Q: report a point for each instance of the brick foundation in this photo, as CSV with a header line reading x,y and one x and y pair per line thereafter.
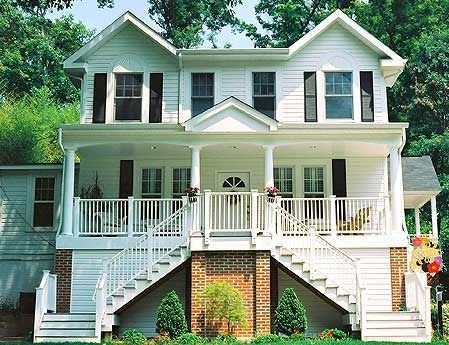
x,y
249,272
398,266
63,269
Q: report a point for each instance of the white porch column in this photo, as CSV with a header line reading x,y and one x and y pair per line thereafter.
x,y
195,168
396,190
269,178
417,222
433,206
69,185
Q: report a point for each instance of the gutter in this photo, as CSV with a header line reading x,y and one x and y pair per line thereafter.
x,y
62,182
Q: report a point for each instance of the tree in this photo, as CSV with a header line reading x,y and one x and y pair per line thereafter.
x,y
283,22
32,49
40,7
225,302
290,315
185,22
171,318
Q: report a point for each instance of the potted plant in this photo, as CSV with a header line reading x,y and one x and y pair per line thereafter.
x,y
272,192
192,193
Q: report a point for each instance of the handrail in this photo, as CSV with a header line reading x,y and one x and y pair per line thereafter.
x,y
100,303
45,299
360,300
418,298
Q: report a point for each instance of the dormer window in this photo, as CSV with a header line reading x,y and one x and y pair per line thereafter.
x,y
264,94
128,96
202,92
339,100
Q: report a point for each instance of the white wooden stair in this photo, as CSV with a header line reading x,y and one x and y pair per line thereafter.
x,y
404,326
57,328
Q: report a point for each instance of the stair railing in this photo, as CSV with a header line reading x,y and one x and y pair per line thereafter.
x,y
45,299
361,301
146,251
417,298
100,303
321,255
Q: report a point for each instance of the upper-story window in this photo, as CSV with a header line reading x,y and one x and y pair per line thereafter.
x,y
202,92
339,101
264,92
128,96
44,199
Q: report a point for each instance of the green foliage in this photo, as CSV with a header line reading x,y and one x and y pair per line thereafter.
x,y
266,339
225,339
134,337
297,337
446,320
171,318
189,339
29,128
290,314
32,49
185,22
225,302
333,333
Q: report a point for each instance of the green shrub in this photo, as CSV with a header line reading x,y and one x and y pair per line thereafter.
x,y
134,337
228,339
225,302
267,339
171,319
290,315
333,333
446,319
298,337
189,339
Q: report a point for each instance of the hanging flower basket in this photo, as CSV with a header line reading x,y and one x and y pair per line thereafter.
x,y
272,193
192,193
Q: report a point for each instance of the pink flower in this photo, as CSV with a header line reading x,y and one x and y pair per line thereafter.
x,y
438,260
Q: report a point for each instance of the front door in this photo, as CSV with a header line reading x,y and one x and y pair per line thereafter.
x,y
232,203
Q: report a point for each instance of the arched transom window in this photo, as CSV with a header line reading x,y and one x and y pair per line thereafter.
x,y
233,182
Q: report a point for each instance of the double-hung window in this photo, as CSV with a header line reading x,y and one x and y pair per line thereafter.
x,y
181,181
339,100
128,96
264,92
283,180
202,92
152,183
314,182
44,199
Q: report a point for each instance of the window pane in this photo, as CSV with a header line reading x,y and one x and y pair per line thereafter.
x,y
128,108
339,107
43,214
283,180
201,104
202,84
265,105
181,181
314,180
264,83
44,189
152,182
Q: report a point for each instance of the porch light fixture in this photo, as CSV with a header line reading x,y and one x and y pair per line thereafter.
x,y
234,147
153,147
313,147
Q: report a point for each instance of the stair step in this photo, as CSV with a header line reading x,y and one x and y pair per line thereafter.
x,y
395,332
397,339
392,316
395,324
67,332
68,317
65,339
68,324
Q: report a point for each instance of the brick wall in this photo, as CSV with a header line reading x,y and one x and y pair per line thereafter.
x,y
249,272
63,269
398,266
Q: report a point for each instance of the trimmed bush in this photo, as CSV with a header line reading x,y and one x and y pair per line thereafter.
x,y
134,337
171,319
267,339
189,339
332,333
290,315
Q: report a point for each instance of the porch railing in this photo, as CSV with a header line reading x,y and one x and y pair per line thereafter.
x,y
232,212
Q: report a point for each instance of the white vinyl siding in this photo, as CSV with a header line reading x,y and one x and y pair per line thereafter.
x,y
134,44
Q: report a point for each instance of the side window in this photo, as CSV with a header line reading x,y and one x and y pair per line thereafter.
x,y
152,183
339,100
181,181
156,91
128,96
283,180
44,200
202,92
264,92
313,182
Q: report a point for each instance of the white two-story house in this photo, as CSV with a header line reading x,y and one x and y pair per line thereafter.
x,y
310,119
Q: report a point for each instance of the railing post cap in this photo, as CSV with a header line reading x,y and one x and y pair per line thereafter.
x,y
130,197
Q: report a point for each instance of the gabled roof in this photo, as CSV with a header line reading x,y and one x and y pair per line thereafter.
x,y
110,30
419,175
251,117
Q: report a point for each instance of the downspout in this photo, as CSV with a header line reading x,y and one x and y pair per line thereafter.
x,y
179,87
61,197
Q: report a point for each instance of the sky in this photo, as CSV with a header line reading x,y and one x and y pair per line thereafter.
x,y
96,18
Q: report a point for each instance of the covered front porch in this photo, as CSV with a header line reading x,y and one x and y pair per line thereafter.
x,y
328,181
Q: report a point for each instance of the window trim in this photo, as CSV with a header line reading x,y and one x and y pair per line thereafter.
x,y
325,178
172,178
265,96
141,180
214,90
353,92
142,96
33,201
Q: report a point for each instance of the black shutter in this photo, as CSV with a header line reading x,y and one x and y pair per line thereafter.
x,y
156,81
367,96
126,179
339,185
310,111
99,111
